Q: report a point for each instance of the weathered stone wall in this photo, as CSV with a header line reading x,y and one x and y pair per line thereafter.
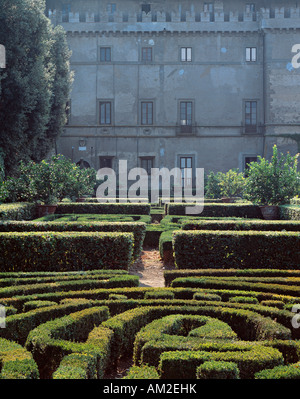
x,y
218,81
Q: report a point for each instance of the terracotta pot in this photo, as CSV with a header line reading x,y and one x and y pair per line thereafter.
x,y
44,210
228,200
270,212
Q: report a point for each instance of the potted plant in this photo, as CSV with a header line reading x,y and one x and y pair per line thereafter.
x,y
274,183
231,185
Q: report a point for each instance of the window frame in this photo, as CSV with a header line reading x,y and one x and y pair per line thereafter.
x,y
106,157
147,121
147,49
148,6
186,102
251,58
105,48
105,102
250,127
149,159
184,57
184,178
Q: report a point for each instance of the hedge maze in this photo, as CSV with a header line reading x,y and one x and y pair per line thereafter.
x,y
74,311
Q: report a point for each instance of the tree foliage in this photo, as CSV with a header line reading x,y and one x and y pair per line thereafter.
x,y
274,182
36,83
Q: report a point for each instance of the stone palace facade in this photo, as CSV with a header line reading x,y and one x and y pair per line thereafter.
x,y
186,84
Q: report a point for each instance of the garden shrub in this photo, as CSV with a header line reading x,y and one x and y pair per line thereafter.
x,y
183,364
219,370
206,296
76,366
85,207
289,212
259,225
243,299
238,283
170,275
17,211
276,304
51,341
71,285
165,246
30,305
287,372
142,373
55,251
16,362
236,249
19,325
138,229
239,210
159,294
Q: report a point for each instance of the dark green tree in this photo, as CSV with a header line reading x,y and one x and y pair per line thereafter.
x,y
29,92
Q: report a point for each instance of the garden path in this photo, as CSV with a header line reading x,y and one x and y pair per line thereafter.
x,y
150,268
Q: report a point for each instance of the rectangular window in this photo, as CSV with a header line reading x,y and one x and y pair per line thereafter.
x,y
147,54
250,7
111,8
147,112
105,54
186,166
186,54
251,54
146,8
66,9
208,7
105,113
147,164
251,116
106,162
186,113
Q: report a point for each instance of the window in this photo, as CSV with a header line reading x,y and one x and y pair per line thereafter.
x,y
105,54
186,113
106,162
147,54
186,54
105,113
146,8
186,166
66,9
208,7
251,54
250,7
250,116
111,8
147,164
147,112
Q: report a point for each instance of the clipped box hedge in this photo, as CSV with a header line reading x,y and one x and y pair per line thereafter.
x,y
55,251
17,211
239,210
289,212
85,207
236,249
138,229
183,364
218,370
51,341
16,362
263,225
170,275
